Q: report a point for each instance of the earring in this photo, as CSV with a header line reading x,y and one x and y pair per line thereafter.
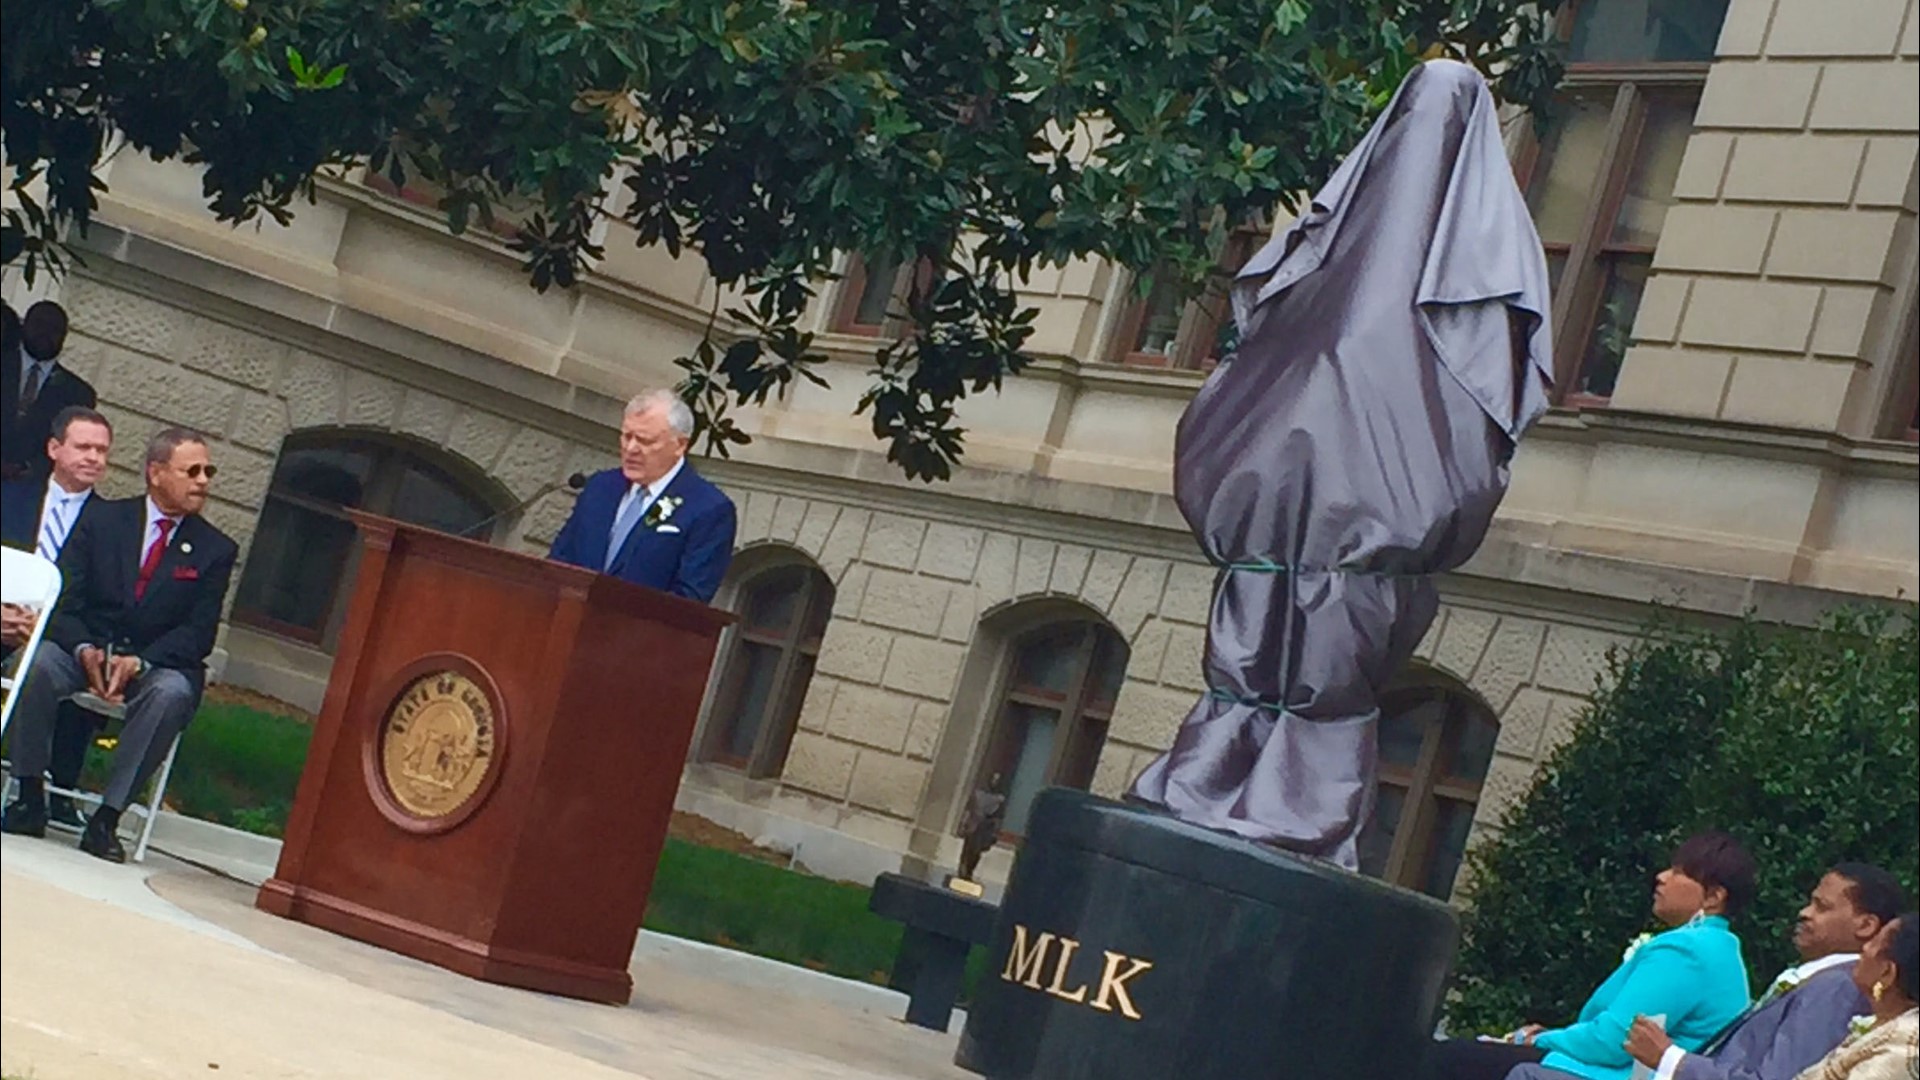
x,y
1879,990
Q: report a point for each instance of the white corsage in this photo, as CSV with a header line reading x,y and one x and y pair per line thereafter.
x,y
1634,947
662,509
1860,1025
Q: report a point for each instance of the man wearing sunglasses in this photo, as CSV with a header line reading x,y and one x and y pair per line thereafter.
x,y
145,579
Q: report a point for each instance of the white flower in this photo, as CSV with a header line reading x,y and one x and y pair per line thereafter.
x,y
661,510
1634,947
186,548
1860,1025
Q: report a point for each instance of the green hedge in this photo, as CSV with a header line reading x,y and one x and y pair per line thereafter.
x,y
1800,743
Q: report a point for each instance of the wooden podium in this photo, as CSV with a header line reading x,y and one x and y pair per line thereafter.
x,y
494,767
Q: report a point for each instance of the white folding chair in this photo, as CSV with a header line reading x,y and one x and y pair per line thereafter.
x,y
31,582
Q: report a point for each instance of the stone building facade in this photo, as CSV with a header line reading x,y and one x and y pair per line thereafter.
x,y
1733,234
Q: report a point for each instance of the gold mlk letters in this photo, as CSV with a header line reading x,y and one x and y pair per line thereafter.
x,y
1026,961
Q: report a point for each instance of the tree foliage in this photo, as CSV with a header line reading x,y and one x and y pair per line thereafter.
x,y
987,137
1800,743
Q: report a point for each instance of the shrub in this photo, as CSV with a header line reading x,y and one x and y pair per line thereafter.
x,y
1800,743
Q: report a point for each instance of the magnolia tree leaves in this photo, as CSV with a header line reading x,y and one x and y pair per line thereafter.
x,y
976,139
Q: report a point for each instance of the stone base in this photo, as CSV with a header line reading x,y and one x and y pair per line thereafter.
x,y
1131,945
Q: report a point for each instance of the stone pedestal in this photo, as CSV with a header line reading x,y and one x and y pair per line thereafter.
x,y
1131,945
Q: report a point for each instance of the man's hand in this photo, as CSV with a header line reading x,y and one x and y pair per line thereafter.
x,y
16,625
121,670
93,661
1646,1042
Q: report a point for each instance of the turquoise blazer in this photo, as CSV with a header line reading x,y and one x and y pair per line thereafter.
x,y
1692,975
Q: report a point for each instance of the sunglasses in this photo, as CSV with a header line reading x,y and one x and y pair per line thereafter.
x,y
195,472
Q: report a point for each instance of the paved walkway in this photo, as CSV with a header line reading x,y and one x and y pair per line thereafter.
x,y
165,971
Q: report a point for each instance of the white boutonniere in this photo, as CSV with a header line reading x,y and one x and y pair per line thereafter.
x,y
662,509
186,548
1634,947
1860,1025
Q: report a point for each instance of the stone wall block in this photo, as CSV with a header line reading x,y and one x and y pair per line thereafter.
x,y
1794,168
1189,595
951,551
1183,665
1573,658
1069,569
1105,574
756,516
244,474
924,667
170,394
1430,642
854,652
315,390
1819,28
994,575
1524,723
844,541
850,591
1887,176
817,707
871,717
542,521
532,458
816,527
1115,771
228,352
963,615
818,764
1869,97
1034,572
126,319
905,602
373,401
888,784
1509,661
923,738
788,513
1761,95
1139,596
1148,715
262,423
1465,639
480,437
426,416
1508,779
1747,314
893,540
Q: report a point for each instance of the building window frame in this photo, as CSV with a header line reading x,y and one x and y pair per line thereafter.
x,y
849,298
1430,780
1626,90
1083,712
796,644
1201,318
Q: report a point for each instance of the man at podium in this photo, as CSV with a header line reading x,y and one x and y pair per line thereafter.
x,y
652,521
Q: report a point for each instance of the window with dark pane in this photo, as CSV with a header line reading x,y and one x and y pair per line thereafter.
x,y
1059,690
1436,745
783,615
1601,178
1158,329
293,583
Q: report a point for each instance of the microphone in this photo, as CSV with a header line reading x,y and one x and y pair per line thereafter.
x,y
574,483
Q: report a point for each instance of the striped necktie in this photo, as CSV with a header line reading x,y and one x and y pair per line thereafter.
x,y
54,526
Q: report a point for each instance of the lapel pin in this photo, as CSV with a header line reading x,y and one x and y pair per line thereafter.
x,y
186,549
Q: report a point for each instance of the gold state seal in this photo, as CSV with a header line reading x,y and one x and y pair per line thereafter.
x,y
437,744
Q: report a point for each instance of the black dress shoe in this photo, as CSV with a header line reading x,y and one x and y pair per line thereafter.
x,y
101,841
62,812
25,817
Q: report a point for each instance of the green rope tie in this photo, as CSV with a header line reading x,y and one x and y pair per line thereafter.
x,y
1232,698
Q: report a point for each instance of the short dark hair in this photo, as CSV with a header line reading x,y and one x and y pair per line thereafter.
x,y
160,448
1717,860
1903,948
64,419
1873,891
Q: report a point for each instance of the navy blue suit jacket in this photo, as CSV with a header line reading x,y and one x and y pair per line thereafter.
x,y
20,512
686,554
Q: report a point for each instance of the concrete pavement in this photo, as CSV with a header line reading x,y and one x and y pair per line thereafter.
x,y
164,971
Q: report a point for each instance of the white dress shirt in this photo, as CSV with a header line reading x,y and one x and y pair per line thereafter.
x,y
650,492
58,512
1785,981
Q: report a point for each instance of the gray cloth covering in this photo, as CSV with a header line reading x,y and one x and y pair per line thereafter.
x,y
1394,346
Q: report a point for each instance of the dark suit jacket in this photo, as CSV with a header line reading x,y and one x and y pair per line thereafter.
x,y
20,512
1790,1034
686,554
23,439
174,624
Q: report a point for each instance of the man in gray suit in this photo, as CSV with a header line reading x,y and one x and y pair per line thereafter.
x,y
1803,1015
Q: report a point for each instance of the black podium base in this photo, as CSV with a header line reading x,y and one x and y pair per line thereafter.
x,y
1131,946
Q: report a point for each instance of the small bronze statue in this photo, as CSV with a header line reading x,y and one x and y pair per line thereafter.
x,y
980,826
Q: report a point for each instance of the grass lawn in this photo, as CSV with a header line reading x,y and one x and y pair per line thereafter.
x,y
240,762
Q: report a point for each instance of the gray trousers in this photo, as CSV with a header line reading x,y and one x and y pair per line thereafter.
x,y
159,704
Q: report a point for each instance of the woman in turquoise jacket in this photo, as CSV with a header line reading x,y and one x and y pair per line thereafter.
x,y
1692,975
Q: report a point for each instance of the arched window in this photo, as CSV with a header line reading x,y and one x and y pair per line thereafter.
x,y
1436,743
783,614
292,582
1056,701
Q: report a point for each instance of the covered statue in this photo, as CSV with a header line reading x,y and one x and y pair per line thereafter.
x,y
1394,346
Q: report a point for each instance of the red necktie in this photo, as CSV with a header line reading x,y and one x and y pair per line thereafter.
x,y
147,565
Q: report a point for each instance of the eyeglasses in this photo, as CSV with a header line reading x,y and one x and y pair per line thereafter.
x,y
195,472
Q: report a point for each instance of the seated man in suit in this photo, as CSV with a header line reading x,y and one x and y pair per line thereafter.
x,y
145,581
652,521
34,388
1804,1014
38,516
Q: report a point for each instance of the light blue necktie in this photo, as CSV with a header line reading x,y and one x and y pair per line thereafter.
x,y
623,528
53,532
